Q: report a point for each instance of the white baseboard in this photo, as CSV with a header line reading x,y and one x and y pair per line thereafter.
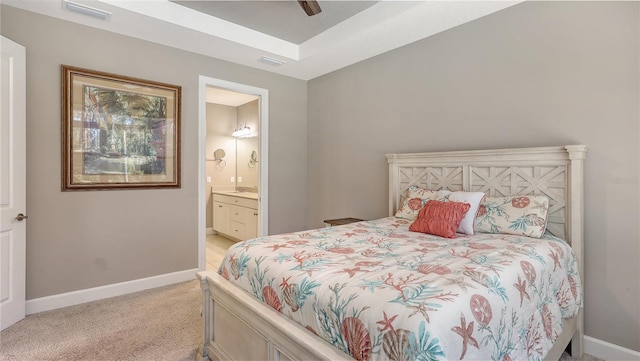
x,y
608,351
97,293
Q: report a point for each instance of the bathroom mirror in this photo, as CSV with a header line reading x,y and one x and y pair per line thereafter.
x,y
247,161
246,172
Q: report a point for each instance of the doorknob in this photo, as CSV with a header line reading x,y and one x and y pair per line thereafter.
x,y
21,217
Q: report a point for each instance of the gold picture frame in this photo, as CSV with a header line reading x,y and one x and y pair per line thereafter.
x,y
118,132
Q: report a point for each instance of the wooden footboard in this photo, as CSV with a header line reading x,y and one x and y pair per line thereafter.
x,y
239,327
570,333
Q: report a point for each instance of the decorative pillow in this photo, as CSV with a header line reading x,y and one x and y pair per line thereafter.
x,y
519,215
440,218
414,199
473,198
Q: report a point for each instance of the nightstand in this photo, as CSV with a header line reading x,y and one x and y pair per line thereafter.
x,y
341,221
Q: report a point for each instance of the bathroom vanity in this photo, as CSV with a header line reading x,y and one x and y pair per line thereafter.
x,y
235,214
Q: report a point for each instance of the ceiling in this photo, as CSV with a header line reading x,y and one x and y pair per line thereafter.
x,y
228,97
281,19
255,33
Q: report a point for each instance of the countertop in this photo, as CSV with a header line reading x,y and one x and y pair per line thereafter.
x,y
249,195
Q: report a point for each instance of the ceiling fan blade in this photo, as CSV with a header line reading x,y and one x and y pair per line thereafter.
x,y
310,7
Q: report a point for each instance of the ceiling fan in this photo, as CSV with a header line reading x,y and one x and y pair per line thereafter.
x,y
310,7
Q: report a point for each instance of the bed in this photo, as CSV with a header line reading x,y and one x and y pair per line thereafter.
x,y
377,290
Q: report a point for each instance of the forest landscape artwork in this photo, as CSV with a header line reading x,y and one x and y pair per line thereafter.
x,y
119,132
123,132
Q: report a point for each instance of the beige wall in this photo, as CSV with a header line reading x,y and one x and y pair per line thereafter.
x,y
78,240
536,74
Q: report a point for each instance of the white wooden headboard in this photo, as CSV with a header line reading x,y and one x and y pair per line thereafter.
x,y
556,172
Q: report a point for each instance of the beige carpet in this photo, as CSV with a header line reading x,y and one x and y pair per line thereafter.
x,y
158,324
161,324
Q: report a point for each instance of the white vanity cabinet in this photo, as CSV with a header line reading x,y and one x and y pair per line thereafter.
x,y
251,222
235,216
221,217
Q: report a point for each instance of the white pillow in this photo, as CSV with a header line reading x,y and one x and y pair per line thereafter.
x,y
473,198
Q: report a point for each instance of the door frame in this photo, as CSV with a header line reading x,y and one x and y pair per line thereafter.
x,y
263,185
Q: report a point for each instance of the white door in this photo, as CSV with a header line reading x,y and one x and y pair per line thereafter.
x,y
12,183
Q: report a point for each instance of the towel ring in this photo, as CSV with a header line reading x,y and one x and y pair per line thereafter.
x,y
218,154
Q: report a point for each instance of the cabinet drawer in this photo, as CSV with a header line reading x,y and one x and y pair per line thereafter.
x,y
237,230
251,203
237,214
227,199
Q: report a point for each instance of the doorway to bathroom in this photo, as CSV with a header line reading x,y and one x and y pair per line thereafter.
x,y
233,187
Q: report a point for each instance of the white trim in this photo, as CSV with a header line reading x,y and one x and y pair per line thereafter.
x,y
202,170
263,189
97,293
608,351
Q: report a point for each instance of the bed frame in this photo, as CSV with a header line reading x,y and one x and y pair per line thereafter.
x,y
239,327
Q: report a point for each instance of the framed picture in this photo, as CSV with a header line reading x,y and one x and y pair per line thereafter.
x,y
118,132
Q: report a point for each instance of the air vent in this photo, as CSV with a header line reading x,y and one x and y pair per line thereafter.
x,y
86,10
272,61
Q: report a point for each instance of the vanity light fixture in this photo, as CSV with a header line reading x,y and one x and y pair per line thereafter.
x,y
243,132
86,10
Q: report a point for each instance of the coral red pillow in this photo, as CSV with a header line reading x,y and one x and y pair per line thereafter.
x,y
440,218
